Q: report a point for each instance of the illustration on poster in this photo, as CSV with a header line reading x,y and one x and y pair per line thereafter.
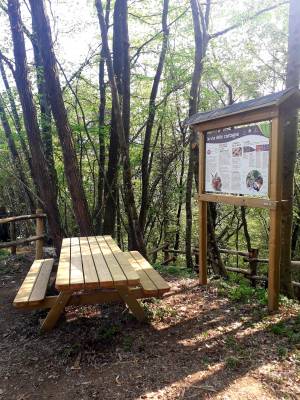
x,y
254,180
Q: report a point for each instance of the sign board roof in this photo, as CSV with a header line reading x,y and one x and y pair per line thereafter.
x,y
274,99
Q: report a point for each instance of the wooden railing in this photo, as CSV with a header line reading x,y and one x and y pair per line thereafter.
x,y
251,257
39,232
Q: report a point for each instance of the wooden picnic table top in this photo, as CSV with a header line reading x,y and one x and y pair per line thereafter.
x,y
93,262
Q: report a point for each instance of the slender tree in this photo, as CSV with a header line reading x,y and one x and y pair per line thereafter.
x,y
101,133
290,149
111,184
200,24
45,107
15,157
135,232
43,33
146,167
15,116
39,164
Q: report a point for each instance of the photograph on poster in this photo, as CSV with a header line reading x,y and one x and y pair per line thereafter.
x,y
237,160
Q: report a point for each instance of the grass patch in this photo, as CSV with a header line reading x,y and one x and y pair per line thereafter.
x,y
242,292
174,270
232,362
106,334
155,312
4,253
288,329
282,352
127,343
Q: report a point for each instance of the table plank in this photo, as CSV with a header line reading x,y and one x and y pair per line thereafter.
x,y
103,272
76,269
91,280
116,271
131,275
63,270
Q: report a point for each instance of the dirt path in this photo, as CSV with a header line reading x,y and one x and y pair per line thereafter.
x,y
198,345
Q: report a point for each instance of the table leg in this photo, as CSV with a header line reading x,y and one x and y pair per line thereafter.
x,y
56,311
132,303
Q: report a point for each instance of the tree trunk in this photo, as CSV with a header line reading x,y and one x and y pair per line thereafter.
x,y
111,184
178,215
193,103
16,160
111,187
150,120
200,22
39,164
43,31
101,133
136,234
16,118
290,150
45,109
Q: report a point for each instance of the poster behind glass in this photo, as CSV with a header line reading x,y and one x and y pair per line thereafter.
x,y
237,160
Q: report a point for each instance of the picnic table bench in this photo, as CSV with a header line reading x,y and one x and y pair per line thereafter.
x,y
91,270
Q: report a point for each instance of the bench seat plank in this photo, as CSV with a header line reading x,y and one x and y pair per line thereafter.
x,y
147,284
145,268
39,290
34,286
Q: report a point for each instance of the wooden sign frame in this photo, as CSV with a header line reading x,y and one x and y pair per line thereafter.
x,y
273,204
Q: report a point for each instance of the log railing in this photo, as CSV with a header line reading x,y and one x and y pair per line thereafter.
x,y
39,236
250,257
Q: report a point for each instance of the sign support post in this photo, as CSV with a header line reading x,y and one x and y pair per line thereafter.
x,y
202,214
275,216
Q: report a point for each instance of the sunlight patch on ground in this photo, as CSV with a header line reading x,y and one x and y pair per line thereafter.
x,y
246,388
181,386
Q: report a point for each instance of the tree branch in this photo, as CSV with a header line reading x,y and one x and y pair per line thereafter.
x,y
237,25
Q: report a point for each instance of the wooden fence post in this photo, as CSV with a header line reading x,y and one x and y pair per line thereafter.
x,y
12,234
196,254
166,252
253,255
39,231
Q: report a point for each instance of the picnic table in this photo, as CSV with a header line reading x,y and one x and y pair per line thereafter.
x,y
91,270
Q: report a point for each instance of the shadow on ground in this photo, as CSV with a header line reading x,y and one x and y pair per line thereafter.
x,y
198,345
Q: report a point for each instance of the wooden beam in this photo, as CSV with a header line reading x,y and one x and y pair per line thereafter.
x,y
234,252
39,232
236,120
239,200
295,264
21,218
132,303
238,270
56,311
93,297
157,249
12,233
21,241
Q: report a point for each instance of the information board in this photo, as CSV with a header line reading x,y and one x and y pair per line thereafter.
x,y
237,160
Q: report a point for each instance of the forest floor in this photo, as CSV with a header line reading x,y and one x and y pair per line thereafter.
x,y
199,343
